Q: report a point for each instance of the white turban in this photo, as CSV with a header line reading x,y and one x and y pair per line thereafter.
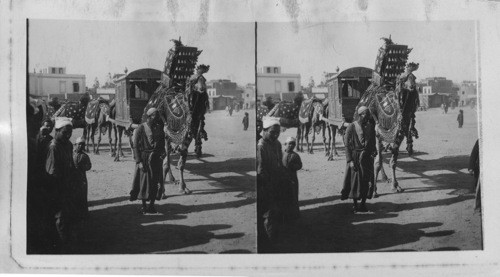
x,y
268,121
80,140
62,121
151,111
290,139
362,109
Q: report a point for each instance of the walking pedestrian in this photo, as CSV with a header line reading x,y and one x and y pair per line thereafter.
x,y
360,150
245,122
460,118
293,163
60,169
271,179
149,147
230,110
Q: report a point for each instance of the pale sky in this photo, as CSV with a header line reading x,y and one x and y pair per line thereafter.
x,y
443,49
95,48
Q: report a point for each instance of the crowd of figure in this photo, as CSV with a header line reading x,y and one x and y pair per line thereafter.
x,y
277,183
57,204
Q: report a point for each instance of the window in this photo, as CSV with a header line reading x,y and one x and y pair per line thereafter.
x,y
248,95
60,71
76,87
291,86
277,86
268,70
463,92
53,71
275,70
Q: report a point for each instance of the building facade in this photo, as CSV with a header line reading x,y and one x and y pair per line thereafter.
x,y
223,87
249,96
54,80
467,93
271,82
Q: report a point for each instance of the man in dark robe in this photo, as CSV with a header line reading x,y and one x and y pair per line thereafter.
x,y
360,149
82,164
60,170
245,122
293,163
149,148
271,182
460,119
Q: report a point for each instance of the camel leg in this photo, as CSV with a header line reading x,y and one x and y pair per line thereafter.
x,y
181,165
122,130
167,171
299,137
87,139
113,149
324,130
313,139
98,141
110,139
393,163
119,147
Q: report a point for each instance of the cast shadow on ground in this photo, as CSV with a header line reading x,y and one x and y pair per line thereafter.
x,y
122,230
237,171
333,228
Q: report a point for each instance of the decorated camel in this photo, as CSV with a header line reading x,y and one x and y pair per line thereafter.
x,y
182,102
393,100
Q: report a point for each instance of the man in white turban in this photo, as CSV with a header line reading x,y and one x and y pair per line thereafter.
x,y
63,121
149,148
272,178
360,149
60,170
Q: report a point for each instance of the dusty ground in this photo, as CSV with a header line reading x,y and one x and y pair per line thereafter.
x,y
434,213
219,217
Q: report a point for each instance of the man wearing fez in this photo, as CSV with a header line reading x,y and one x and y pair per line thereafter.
x,y
60,170
271,180
360,150
149,149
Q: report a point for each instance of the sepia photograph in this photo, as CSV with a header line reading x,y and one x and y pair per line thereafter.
x,y
370,137
138,137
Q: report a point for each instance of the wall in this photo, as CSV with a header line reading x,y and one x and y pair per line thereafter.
x,y
44,84
277,83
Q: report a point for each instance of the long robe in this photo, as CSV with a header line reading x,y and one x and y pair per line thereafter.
x,y
360,145
61,169
460,119
82,164
292,162
149,146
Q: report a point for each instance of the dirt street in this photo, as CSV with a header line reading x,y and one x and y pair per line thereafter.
x,y
218,217
434,213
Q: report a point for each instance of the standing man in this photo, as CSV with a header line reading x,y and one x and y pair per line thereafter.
x,y
293,163
271,181
245,122
149,148
60,170
460,119
82,165
360,149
